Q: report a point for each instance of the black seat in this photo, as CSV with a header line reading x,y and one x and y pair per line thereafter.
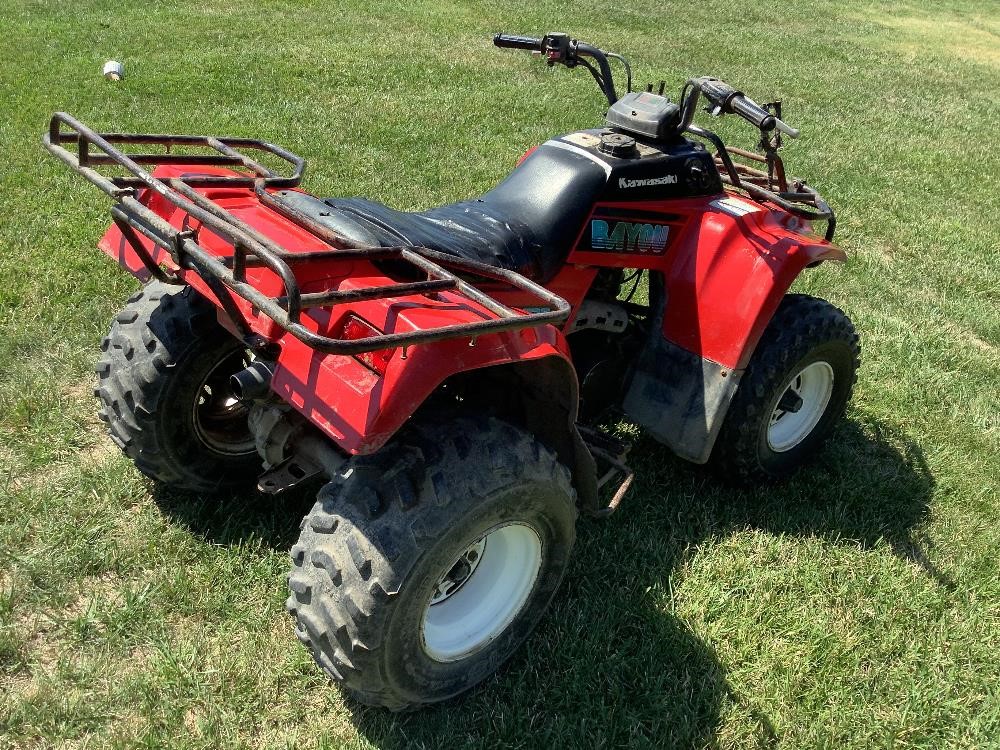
x,y
528,223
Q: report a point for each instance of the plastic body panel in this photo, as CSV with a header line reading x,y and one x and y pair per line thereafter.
x,y
726,262
361,409
723,264
645,114
355,406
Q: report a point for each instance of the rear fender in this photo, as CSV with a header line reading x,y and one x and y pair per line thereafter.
x,y
719,291
525,376
355,406
541,396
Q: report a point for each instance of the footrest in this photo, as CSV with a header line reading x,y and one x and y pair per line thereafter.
x,y
613,452
289,473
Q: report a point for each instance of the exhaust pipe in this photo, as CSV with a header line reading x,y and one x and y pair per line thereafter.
x,y
254,382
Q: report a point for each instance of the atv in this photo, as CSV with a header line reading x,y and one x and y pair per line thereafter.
x,y
455,374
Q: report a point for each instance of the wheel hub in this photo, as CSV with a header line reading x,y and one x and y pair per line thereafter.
x,y
460,572
800,407
220,419
481,592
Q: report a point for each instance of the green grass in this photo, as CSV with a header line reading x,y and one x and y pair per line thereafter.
x,y
857,605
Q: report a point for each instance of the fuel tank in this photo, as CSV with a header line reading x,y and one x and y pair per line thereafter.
x,y
635,168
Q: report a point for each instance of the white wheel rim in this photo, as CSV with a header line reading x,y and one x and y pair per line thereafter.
x,y
813,385
469,609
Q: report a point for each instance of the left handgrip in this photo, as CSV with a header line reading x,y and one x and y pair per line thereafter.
x,y
509,41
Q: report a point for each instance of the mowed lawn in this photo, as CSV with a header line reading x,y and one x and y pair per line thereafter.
x,y
857,605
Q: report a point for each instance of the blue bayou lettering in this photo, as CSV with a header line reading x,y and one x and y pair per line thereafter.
x,y
627,237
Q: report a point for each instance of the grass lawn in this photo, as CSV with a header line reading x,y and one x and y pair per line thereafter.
x,y
857,605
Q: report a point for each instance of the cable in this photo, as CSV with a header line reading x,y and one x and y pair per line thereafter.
x,y
687,109
597,76
635,284
627,279
684,92
628,69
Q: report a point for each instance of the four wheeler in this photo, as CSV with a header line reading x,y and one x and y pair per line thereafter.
x,y
449,371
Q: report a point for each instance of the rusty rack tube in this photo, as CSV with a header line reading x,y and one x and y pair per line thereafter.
x,y
803,201
253,249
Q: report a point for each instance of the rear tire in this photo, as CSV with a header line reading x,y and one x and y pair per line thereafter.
x,y
793,393
392,587
163,386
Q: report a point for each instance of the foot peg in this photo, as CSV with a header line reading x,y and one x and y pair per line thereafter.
x,y
287,474
613,452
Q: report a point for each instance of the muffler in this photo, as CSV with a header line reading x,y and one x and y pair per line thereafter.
x,y
254,382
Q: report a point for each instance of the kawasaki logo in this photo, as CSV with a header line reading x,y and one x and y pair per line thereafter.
x,y
667,179
627,237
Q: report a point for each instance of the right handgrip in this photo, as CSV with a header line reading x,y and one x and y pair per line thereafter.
x,y
724,98
749,110
752,112
785,128
510,41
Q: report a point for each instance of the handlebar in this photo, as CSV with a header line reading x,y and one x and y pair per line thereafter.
x,y
724,98
559,48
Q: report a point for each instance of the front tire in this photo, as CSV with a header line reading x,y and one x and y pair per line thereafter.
x,y
164,391
794,391
421,569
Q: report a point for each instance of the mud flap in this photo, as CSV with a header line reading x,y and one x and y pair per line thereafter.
x,y
680,398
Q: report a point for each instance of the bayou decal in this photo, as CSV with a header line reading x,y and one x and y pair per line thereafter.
x,y
628,237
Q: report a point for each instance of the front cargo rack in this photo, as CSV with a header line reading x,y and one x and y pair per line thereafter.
x,y
771,186
252,249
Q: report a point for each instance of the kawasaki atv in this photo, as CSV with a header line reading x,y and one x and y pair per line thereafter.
x,y
451,373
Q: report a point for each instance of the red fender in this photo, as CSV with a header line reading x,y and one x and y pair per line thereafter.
x,y
728,273
723,278
357,407
361,410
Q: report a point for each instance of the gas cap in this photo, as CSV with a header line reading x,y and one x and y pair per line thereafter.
x,y
617,144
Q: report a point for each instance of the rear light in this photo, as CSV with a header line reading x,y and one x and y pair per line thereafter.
x,y
355,328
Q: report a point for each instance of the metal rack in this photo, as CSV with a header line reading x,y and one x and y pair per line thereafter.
x,y
770,186
253,249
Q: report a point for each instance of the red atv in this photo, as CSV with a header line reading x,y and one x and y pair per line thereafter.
x,y
448,370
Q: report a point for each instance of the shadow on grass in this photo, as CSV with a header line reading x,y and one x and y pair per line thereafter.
x,y
607,667
870,486
611,665
233,518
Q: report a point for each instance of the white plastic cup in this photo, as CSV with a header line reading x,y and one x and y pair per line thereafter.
x,y
113,70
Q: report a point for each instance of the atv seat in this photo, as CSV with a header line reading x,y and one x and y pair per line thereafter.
x,y
528,223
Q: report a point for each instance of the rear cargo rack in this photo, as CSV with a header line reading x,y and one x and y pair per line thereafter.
x,y
253,249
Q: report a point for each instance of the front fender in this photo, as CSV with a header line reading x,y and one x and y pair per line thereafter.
x,y
721,288
729,274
